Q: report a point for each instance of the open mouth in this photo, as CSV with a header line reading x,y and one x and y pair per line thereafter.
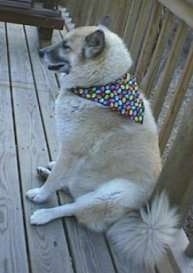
x,y
62,67
55,67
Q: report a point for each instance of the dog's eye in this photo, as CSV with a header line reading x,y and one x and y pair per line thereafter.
x,y
66,47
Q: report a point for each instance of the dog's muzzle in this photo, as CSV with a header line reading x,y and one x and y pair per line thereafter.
x,y
60,65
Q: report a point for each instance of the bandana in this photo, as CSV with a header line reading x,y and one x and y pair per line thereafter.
x,y
122,96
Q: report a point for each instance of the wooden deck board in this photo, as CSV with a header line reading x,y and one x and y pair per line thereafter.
x,y
13,254
47,245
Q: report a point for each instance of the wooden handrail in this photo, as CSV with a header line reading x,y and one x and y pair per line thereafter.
x,y
16,4
36,17
181,9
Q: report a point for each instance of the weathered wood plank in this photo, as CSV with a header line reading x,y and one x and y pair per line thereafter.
x,y
89,250
86,18
118,11
140,30
99,9
149,41
47,89
47,245
177,101
181,9
96,9
131,21
166,76
13,253
152,72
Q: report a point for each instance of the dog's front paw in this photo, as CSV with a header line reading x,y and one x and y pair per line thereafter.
x,y
41,216
37,195
43,172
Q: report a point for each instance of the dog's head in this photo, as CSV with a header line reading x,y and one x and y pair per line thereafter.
x,y
88,56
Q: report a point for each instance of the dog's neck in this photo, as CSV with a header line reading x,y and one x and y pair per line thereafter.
x,y
122,96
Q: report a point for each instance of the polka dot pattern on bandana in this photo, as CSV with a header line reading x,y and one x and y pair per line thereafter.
x,y
122,95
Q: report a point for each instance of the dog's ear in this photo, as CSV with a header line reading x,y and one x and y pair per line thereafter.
x,y
105,21
94,44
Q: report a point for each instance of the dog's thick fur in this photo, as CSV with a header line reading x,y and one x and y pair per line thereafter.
x,y
109,164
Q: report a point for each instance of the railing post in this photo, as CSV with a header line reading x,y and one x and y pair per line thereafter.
x,y
45,34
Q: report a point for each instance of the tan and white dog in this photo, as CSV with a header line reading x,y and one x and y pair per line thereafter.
x,y
108,163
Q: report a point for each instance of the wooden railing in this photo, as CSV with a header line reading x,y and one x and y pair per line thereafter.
x,y
158,35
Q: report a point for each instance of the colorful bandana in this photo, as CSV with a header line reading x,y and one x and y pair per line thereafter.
x,y
122,95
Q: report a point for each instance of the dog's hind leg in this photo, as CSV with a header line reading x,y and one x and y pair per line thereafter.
x,y
99,209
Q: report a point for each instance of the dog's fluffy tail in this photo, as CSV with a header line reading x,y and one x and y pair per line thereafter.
x,y
145,235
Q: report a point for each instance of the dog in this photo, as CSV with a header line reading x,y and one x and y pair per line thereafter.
x,y
109,158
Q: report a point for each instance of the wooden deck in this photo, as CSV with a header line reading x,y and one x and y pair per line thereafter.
x,y
27,139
